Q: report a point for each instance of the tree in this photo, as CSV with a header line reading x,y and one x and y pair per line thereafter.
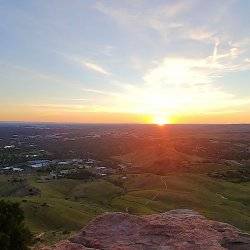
x,y
13,233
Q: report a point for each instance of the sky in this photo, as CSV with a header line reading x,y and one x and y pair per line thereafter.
x,y
130,61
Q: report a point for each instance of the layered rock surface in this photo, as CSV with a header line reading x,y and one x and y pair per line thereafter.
x,y
177,229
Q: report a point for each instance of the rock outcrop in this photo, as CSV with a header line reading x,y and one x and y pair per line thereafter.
x,y
176,229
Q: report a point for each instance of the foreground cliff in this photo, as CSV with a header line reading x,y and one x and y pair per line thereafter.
x,y
176,229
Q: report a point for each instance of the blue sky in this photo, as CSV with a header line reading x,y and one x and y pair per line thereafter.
x,y
63,60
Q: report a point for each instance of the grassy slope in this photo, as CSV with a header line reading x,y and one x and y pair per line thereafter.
x,y
70,204
220,200
56,208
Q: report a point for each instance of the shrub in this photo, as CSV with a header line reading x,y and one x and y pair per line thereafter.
x,y
13,233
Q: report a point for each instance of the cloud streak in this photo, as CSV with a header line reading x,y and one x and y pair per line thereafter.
x,y
180,85
95,67
166,19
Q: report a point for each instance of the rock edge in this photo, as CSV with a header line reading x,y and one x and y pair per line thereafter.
x,y
180,229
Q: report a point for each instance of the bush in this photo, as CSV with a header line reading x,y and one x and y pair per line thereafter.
x,y
82,175
13,233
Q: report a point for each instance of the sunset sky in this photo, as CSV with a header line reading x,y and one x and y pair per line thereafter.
x,y
129,61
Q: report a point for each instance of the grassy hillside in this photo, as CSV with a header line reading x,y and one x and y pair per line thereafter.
x,y
220,200
67,205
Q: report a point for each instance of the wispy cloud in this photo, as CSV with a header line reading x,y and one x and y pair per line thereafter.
x,y
192,71
71,99
157,19
169,19
101,92
61,107
31,75
166,19
95,67
89,64
179,85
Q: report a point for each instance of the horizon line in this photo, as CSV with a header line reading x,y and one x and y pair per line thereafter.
x,y
114,123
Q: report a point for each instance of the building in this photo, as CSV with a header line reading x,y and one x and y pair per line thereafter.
x,y
39,163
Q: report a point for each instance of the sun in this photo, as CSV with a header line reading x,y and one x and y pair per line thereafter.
x,y
161,120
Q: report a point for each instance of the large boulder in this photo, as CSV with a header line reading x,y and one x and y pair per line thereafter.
x,y
176,229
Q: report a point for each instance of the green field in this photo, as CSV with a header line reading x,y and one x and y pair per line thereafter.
x,y
66,205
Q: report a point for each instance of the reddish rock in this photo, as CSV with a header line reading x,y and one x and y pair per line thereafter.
x,y
177,229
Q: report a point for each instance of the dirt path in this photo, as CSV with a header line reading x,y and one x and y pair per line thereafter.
x,y
164,182
223,197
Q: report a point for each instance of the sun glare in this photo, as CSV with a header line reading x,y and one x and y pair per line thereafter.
x,y
161,120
